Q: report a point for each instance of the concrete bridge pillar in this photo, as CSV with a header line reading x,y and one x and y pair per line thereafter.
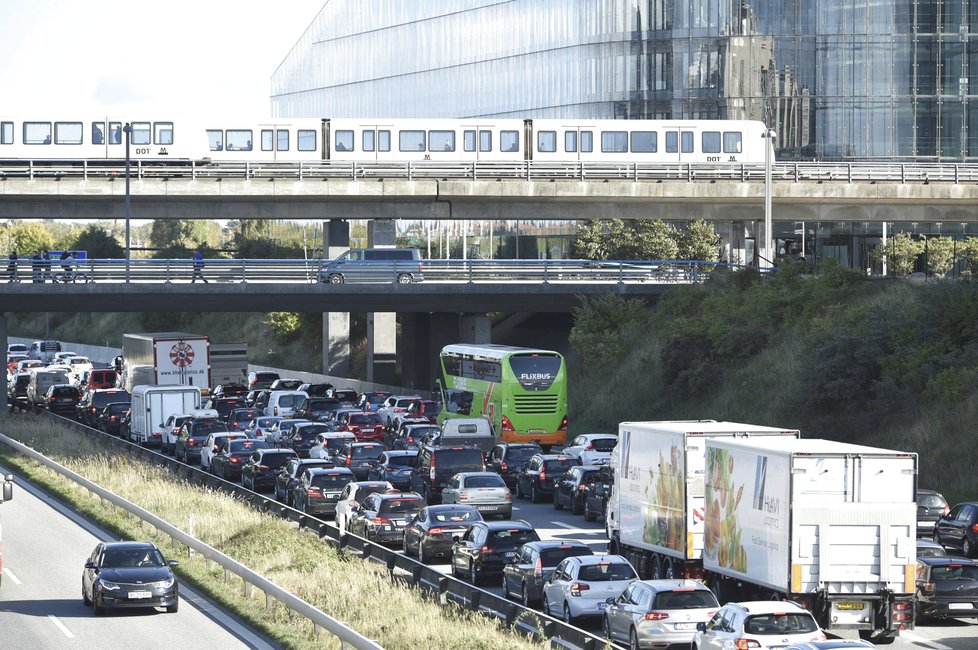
x,y
3,375
336,325
424,335
381,326
474,328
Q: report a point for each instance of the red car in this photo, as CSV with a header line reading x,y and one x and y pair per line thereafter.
x,y
367,427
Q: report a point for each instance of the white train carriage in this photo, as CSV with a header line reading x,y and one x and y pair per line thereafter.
x,y
268,140
649,141
99,139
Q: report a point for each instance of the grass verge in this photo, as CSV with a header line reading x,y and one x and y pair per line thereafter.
x,y
361,594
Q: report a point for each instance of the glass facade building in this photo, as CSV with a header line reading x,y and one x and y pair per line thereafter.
x,y
837,79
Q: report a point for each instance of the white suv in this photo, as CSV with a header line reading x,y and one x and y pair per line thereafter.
x,y
757,624
591,448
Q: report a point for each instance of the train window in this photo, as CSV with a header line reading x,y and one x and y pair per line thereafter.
x,y
267,140
68,132
6,132
468,140
570,141
411,140
37,133
163,132
140,133
573,138
306,140
509,140
344,140
368,141
733,142
614,141
98,132
672,141
644,142
711,142
239,139
547,141
687,141
115,132
215,137
441,140
282,135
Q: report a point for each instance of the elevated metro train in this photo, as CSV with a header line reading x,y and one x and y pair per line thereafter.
x,y
186,139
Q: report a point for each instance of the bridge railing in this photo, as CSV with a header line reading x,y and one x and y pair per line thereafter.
x,y
313,271
783,171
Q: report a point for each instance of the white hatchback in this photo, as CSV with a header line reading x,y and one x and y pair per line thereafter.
x,y
591,448
581,586
757,624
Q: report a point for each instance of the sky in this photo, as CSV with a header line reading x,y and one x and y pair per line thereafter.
x,y
66,56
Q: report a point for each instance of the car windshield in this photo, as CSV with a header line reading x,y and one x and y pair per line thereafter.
x,y
392,506
321,404
780,623
551,557
692,599
402,461
456,516
377,399
332,480
606,572
373,451
513,537
930,501
308,434
516,455
202,428
274,461
559,466
604,444
489,481
364,419
954,572
417,432
235,446
103,399
133,557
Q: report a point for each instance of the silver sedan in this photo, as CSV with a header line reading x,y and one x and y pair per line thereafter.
x,y
486,491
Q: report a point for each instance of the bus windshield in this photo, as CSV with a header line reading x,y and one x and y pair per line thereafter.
x,y
535,371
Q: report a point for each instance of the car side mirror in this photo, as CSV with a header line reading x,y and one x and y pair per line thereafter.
x,y
701,627
173,563
90,565
610,601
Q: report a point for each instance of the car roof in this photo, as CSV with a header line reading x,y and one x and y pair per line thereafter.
x,y
399,495
448,507
129,545
945,561
315,471
671,585
599,558
768,606
471,474
600,435
544,544
504,525
391,453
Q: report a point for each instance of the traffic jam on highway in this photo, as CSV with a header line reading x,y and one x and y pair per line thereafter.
x,y
710,533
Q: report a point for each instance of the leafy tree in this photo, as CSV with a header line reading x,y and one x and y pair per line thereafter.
x,y
968,252
590,241
29,238
185,234
901,252
98,243
940,255
603,328
642,239
699,240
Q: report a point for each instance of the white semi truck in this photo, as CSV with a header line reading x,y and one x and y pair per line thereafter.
x,y
152,405
166,358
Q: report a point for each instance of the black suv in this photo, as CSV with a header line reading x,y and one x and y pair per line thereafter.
x,y
192,436
506,459
533,565
569,488
94,401
382,517
536,478
314,408
931,506
260,470
302,437
597,492
288,476
958,529
359,457
318,489
17,392
488,546
62,399
436,465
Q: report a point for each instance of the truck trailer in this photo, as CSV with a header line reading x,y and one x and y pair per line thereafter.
x,y
152,405
656,509
166,358
827,524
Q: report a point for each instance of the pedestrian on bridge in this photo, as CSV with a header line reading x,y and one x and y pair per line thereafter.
x,y
198,268
12,268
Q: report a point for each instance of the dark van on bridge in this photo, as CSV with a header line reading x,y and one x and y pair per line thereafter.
x,y
401,265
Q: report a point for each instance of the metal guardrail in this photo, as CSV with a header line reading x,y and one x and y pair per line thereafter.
x,y
293,603
795,172
445,588
242,271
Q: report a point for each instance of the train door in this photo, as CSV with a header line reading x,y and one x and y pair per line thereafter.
x,y
478,142
278,141
578,142
680,145
376,142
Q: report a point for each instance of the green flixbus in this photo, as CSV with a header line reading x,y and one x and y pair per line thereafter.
x,y
521,391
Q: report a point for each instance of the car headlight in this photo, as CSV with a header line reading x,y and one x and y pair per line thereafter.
x,y
108,586
165,584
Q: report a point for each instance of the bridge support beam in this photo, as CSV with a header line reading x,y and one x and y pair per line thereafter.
x,y
424,335
381,326
3,375
336,325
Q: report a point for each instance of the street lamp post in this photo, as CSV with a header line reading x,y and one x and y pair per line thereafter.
x,y
768,249
128,131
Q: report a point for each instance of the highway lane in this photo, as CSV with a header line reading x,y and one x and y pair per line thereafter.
x,y
45,546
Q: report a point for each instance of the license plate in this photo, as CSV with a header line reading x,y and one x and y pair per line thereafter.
x,y
509,555
925,523
140,594
960,606
487,507
849,605
602,605
535,431
333,495
685,626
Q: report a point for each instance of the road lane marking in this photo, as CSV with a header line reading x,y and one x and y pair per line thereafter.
x,y
61,626
7,572
913,638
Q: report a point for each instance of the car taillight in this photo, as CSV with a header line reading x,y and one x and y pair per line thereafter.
x,y
262,468
503,467
410,440
348,459
538,569
974,528
191,442
543,473
464,496
946,510
274,410
902,610
578,587
488,550
381,520
436,531
582,487
432,468
655,616
743,644
507,425
234,459
590,447
315,492
111,418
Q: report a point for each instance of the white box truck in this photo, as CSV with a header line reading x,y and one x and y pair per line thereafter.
x,y
166,358
828,524
655,511
151,406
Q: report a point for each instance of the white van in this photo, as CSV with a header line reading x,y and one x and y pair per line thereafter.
x,y
41,380
282,403
44,350
468,431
